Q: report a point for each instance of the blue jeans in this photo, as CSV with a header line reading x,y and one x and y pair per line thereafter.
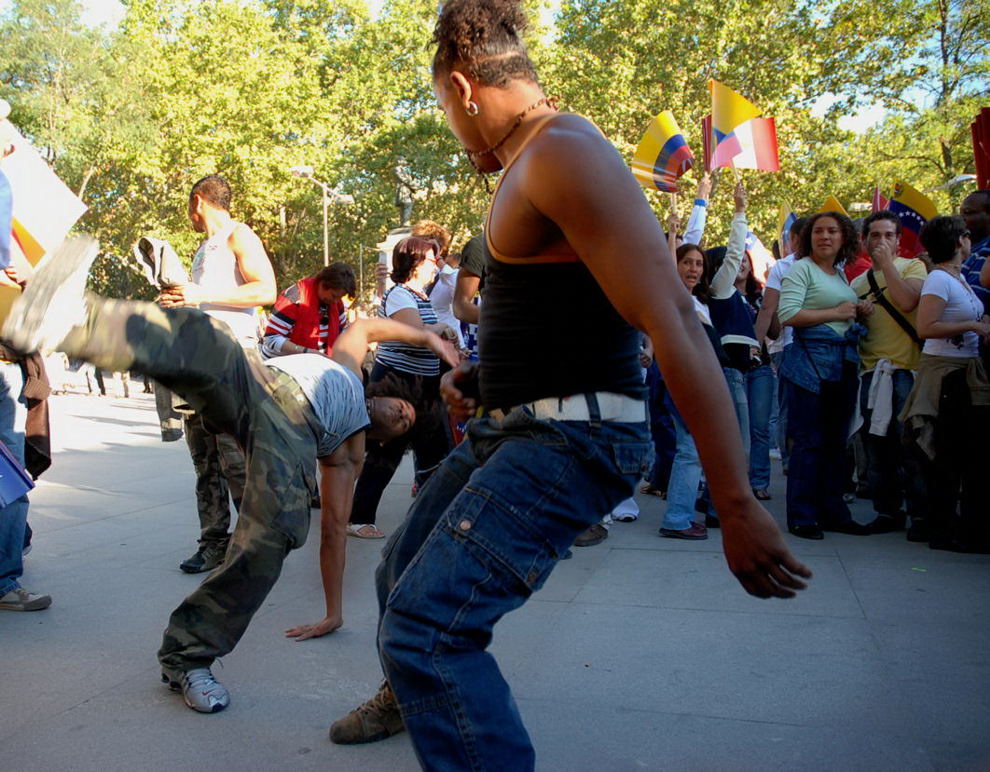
x,y
759,394
684,478
13,517
484,533
737,389
785,451
895,475
817,430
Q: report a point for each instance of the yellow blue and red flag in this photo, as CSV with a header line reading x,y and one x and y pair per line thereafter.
x,y
832,205
662,155
730,110
914,209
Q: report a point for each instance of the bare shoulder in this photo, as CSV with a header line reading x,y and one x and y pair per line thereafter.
x,y
243,235
569,142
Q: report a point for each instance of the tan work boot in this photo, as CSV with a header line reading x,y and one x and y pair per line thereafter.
x,y
375,720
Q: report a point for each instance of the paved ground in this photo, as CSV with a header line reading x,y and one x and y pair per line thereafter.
x,y
641,653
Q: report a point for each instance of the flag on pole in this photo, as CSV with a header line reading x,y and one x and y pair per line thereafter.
x,y
879,203
832,205
729,111
758,146
662,155
760,258
6,219
43,209
980,132
914,209
707,141
785,220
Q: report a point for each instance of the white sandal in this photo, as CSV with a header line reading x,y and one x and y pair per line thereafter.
x,y
355,529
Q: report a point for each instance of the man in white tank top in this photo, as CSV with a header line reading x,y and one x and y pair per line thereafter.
x,y
231,277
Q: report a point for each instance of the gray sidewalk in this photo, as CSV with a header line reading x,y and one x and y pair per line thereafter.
x,y
640,653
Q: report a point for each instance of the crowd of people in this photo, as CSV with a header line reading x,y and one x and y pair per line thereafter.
x,y
675,370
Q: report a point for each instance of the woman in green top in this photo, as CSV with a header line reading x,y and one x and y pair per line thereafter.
x,y
819,371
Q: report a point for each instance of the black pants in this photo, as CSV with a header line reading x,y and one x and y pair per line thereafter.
x,y
957,483
429,438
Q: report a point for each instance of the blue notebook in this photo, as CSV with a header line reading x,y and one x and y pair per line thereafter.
x,y
14,481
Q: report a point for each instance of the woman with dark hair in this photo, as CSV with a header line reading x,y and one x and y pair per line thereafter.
x,y
734,305
575,255
685,472
414,262
819,371
947,413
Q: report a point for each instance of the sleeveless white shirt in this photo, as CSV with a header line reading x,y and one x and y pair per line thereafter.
x,y
215,268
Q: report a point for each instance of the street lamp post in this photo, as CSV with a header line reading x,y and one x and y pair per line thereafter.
x,y
306,172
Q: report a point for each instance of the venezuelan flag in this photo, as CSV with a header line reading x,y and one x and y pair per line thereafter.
x,y
662,155
729,111
914,209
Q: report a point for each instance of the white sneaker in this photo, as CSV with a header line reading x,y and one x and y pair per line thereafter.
x,y
20,599
200,690
53,302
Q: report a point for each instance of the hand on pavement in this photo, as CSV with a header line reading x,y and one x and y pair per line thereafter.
x,y
321,628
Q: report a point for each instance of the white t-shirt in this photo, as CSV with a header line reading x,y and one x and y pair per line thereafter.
x,y
774,281
702,311
442,299
961,305
333,391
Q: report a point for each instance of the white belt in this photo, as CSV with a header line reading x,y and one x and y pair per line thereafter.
x,y
613,407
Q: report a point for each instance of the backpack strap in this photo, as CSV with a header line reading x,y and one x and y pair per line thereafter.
x,y
889,307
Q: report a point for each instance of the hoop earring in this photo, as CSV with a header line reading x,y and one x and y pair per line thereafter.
x,y
472,109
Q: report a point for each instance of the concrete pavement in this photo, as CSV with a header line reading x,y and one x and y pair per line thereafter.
x,y
640,653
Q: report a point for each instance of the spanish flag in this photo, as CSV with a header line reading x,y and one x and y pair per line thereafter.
x,y
914,209
729,111
662,155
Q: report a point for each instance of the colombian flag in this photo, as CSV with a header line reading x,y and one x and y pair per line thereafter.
x,y
662,155
729,111
914,209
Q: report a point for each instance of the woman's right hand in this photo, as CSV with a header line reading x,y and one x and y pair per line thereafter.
x,y
739,198
845,311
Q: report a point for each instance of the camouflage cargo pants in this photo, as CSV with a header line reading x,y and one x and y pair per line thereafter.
x,y
265,411
220,473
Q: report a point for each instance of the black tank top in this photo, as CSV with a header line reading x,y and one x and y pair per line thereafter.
x,y
548,330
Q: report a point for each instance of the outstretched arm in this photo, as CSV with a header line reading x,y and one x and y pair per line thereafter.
x,y
338,474
349,349
633,266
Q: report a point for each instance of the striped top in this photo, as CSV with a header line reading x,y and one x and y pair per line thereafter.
x,y
401,356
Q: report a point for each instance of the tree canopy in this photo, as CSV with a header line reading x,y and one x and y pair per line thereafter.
x,y
131,117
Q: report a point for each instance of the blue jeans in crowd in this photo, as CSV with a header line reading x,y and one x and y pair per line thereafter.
x,y
484,534
13,517
776,358
817,430
737,390
760,396
684,478
895,474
